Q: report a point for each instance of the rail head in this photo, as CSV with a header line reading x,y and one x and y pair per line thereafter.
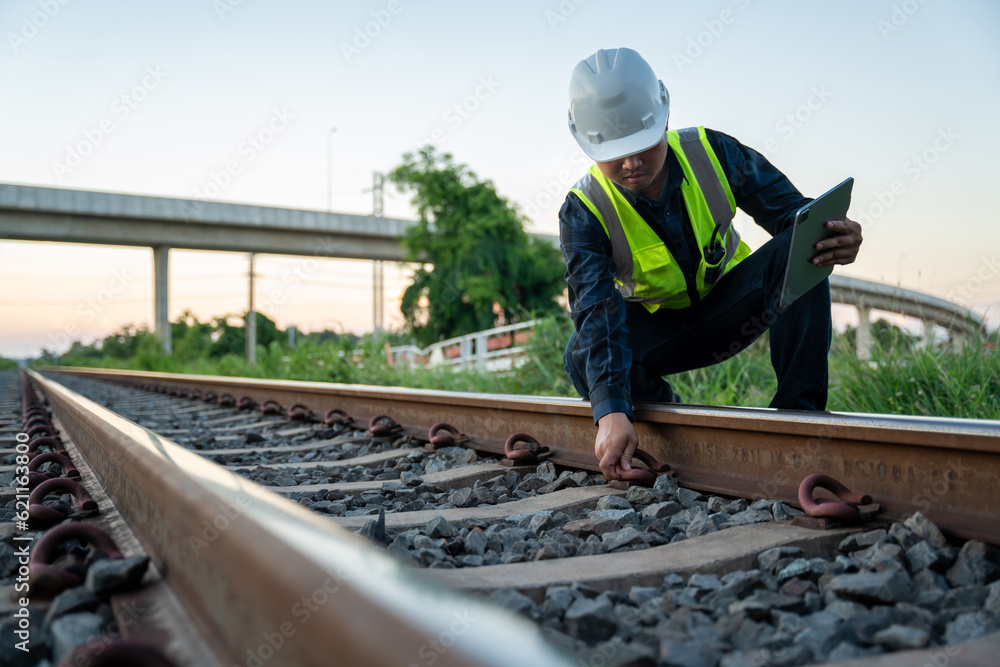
x,y
259,570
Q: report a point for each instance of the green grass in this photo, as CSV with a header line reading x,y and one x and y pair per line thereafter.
x,y
900,379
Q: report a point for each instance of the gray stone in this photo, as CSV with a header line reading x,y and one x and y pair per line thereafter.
x,y
613,503
926,530
620,538
882,556
678,653
564,482
740,583
440,527
485,496
525,519
992,604
717,504
903,536
666,484
887,587
782,512
799,567
688,497
374,529
964,597
769,559
639,495
621,516
759,605
532,483
749,516
738,505
430,557
968,626
859,541
475,542
640,594
590,619
539,523
701,526
846,609
110,575
592,526
462,497
557,600
972,567
709,582
900,637
512,600
410,478
592,547
508,536
922,556
547,471
74,629
79,598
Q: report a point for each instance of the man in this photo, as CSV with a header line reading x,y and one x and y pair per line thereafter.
x,y
659,281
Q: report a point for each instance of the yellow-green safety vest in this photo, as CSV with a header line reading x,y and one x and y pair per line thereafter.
x,y
646,271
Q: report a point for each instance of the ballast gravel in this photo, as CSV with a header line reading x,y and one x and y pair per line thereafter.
x,y
865,599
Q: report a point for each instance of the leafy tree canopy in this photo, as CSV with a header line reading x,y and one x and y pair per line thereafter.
x,y
486,270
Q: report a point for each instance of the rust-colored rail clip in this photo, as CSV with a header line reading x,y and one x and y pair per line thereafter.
x,y
639,476
524,455
450,436
382,426
300,412
50,579
45,515
270,407
337,417
829,514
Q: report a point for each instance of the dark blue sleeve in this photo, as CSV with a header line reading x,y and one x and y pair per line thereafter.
x,y
598,310
763,192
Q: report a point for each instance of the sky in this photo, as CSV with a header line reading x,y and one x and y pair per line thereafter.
x,y
156,97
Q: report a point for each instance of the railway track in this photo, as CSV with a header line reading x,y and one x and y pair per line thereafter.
x,y
612,575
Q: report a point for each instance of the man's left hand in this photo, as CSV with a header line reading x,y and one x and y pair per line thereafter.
x,y
841,248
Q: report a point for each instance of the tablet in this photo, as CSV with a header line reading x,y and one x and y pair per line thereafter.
x,y
808,230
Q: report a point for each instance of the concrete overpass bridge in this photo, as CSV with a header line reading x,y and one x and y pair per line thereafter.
x,y
79,216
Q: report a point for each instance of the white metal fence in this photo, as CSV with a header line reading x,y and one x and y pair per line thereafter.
x,y
499,349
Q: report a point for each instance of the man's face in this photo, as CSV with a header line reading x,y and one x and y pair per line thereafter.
x,y
643,172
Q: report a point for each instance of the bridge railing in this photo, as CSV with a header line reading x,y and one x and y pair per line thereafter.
x,y
491,350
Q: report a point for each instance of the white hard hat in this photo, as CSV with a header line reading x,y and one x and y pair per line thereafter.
x,y
617,106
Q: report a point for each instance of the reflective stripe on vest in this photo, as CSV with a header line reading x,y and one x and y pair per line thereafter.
x,y
646,271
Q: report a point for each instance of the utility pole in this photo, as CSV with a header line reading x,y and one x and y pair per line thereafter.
x,y
251,323
378,198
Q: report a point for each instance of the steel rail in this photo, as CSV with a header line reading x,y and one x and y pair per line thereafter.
x,y
263,576
948,469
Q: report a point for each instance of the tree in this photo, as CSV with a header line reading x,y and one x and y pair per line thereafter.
x,y
486,269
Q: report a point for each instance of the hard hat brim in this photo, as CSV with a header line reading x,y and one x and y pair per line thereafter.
x,y
616,149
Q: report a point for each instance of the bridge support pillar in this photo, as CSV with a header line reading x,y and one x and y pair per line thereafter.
x,y
377,295
927,340
863,340
251,322
161,276
958,341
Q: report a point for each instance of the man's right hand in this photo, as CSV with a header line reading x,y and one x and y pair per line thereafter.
x,y
616,443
